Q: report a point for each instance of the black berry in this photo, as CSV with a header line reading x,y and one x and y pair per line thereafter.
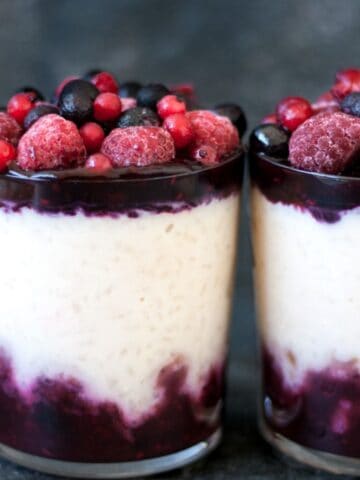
x,y
149,95
91,73
139,117
271,139
34,94
235,113
129,89
76,101
37,112
351,104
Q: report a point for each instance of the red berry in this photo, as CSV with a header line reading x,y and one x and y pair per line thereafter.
x,y
107,107
347,81
98,162
93,136
204,154
293,111
105,82
169,105
179,128
7,153
325,103
139,146
61,85
213,130
10,130
271,118
19,106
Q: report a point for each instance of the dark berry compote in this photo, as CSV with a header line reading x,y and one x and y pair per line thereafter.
x,y
119,220
305,172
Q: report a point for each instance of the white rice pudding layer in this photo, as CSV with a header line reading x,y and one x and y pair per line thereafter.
x,y
111,301
307,286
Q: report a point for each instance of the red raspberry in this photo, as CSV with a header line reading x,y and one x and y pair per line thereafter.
x,y
98,162
206,155
10,130
127,103
325,103
347,81
107,107
169,105
61,85
179,128
51,142
7,153
19,106
327,142
93,136
105,82
271,118
213,130
138,146
293,111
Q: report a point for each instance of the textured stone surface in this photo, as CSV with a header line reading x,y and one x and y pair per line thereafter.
x,y
253,52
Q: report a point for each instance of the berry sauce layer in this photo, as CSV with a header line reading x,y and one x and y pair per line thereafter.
x,y
325,197
322,412
56,418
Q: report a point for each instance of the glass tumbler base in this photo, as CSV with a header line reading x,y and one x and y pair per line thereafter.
x,y
317,459
113,470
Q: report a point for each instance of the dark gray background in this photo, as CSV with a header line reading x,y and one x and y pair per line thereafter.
x,y
250,51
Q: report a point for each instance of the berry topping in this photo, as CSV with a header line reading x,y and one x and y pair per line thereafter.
x,y
151,94
213,130
138,146
328,143
293,111
52,142
169,105
179,127
271,139
7,153
325,103
37,112
129,89
33,94
127,103
93,136
76,101
98,162
10,130
347,81
205,154
235,114
107,107
19,106
351,104
105,82
139,117
271,118
61,85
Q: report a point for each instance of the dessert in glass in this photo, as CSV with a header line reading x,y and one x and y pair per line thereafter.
x,y
305,208
119,213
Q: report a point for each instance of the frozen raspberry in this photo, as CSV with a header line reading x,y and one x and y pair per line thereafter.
x,y
179,127
213,130
138,146
52,142
293,111
328,143
326,103
127,103
347,81
10,130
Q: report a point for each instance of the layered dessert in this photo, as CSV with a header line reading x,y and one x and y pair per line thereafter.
x,y
119,211
305,195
